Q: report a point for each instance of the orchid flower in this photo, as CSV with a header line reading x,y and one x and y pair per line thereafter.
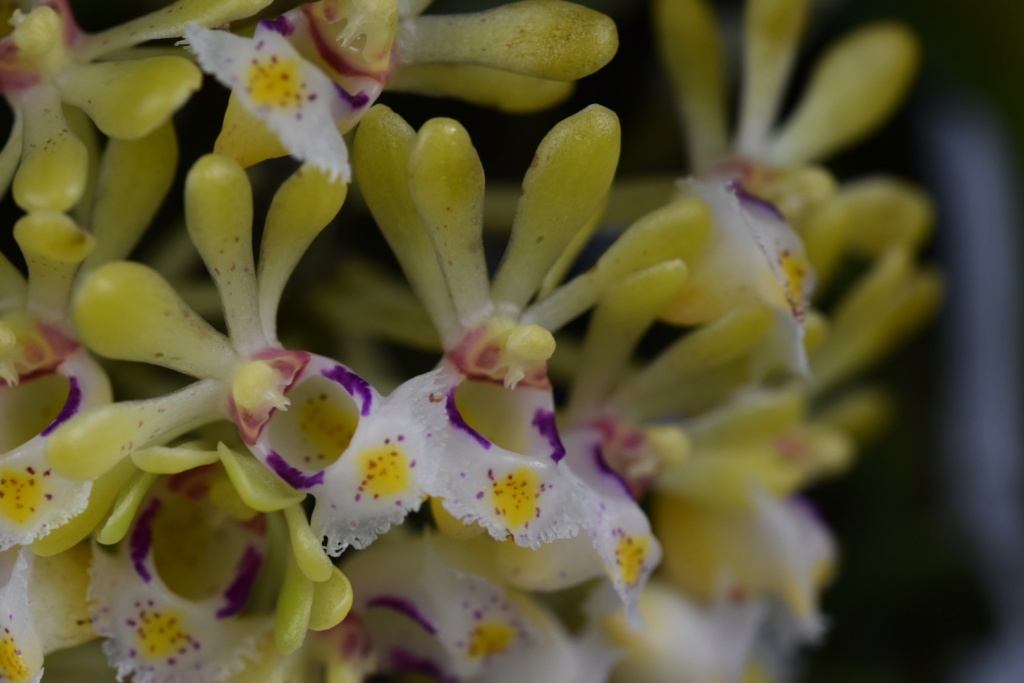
x,y
758,185
168,599
422,615
514,477
307,77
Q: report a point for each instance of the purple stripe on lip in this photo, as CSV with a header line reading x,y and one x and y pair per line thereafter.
x,y
293,475
353,384
405,662
238,592
608,471
748,197
403,606
544,421
455,417
357,101
71,407
142,539
280,25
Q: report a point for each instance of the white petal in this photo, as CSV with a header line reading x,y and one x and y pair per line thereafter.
x,y
360,455
295,99
21,653
509,479
34,499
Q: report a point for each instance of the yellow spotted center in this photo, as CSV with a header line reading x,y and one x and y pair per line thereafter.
x,y
161,634
795,270
630,557
12,666
385,470
275,83
21,494
515,497
490,638
327,428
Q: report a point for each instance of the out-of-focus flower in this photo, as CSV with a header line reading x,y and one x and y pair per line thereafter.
x,y
759,184
423,616
311,74
685,642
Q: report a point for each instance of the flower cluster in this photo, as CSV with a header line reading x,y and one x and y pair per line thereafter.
x,y
539,505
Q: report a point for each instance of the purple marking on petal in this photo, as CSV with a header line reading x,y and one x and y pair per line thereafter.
x,y
238,592
71,407
353,384
803,505
357,101
142,539
293,475
280,25
544,421
403,606
608,471
403,661
749,198
455,417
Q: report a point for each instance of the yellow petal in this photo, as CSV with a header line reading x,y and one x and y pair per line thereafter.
x,y
502,90
260,488
381,156
565,184
245,137
863,413
307,548
772,35
53,247
704,349
96,440
294,608
543,38
12,284
119,218
127,311
886,213
10,156
172,460
303,206
675,231
688,40
853,90
104,492
125,507
55,163
218,210
446,181
332,600
624,315
130,99
168,22
57,593
451,526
